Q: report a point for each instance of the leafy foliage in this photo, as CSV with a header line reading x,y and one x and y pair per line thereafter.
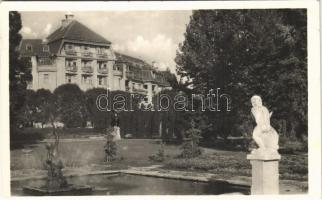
x,y
19,71
247,52
160,156
190,148
70,104
46,110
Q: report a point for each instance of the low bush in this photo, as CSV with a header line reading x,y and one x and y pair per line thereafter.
x,y
110,149
190,150
160,156
292,145
21,137
190,147
292,167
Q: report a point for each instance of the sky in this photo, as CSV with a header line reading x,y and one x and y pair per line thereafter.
x,y
148,35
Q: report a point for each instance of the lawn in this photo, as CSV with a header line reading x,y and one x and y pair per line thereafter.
x,y
85,152
88,153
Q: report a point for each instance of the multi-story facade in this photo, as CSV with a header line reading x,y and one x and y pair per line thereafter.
x,y
75,54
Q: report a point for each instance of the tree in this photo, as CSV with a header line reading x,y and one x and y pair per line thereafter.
x,y
28,112
46,111
97,117
247,52
70,105
19,70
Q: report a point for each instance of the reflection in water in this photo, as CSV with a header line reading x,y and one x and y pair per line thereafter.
x,y
140,185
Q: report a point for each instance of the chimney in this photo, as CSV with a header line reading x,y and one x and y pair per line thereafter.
x,y
44,41
68,18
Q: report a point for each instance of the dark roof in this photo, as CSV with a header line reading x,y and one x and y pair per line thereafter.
x,y
147,75
142,71
36,48
134,62
75,31
78,32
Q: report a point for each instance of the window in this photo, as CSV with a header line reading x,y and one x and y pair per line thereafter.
x,y
116,67
86,80
86,48
87,64
46,48
100,50
28,47
68,79
102,66
70,63
46,78
44,61
145,86
70,47
102,80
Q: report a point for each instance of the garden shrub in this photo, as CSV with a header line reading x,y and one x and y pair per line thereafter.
x,y
190,148
160,156
21,137
110,149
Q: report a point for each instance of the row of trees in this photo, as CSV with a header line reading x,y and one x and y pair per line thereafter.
x,y
248,52
67,104
74,108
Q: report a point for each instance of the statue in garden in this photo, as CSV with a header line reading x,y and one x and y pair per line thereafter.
x,y
112,136
264,134
115,123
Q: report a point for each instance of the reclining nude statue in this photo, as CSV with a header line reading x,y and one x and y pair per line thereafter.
x,y
264,134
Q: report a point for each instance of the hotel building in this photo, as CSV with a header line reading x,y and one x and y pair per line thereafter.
x,y
75,54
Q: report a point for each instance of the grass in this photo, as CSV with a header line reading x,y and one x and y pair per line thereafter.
x,y
86,153
79,153
291,167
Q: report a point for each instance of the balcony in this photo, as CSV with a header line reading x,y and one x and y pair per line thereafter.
x,y
71,68
117,73
47,68
102,70
87,54
70,52
45,61
101,55
87,69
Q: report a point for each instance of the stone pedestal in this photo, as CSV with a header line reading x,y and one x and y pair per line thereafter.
x,y
265,175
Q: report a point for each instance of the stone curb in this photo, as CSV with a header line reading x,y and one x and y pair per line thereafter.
x,y
178,176
144,171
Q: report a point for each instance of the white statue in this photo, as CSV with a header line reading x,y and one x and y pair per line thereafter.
x,y
264,134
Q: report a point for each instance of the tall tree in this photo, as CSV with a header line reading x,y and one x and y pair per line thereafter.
x,y
19,70
70,101
247,52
